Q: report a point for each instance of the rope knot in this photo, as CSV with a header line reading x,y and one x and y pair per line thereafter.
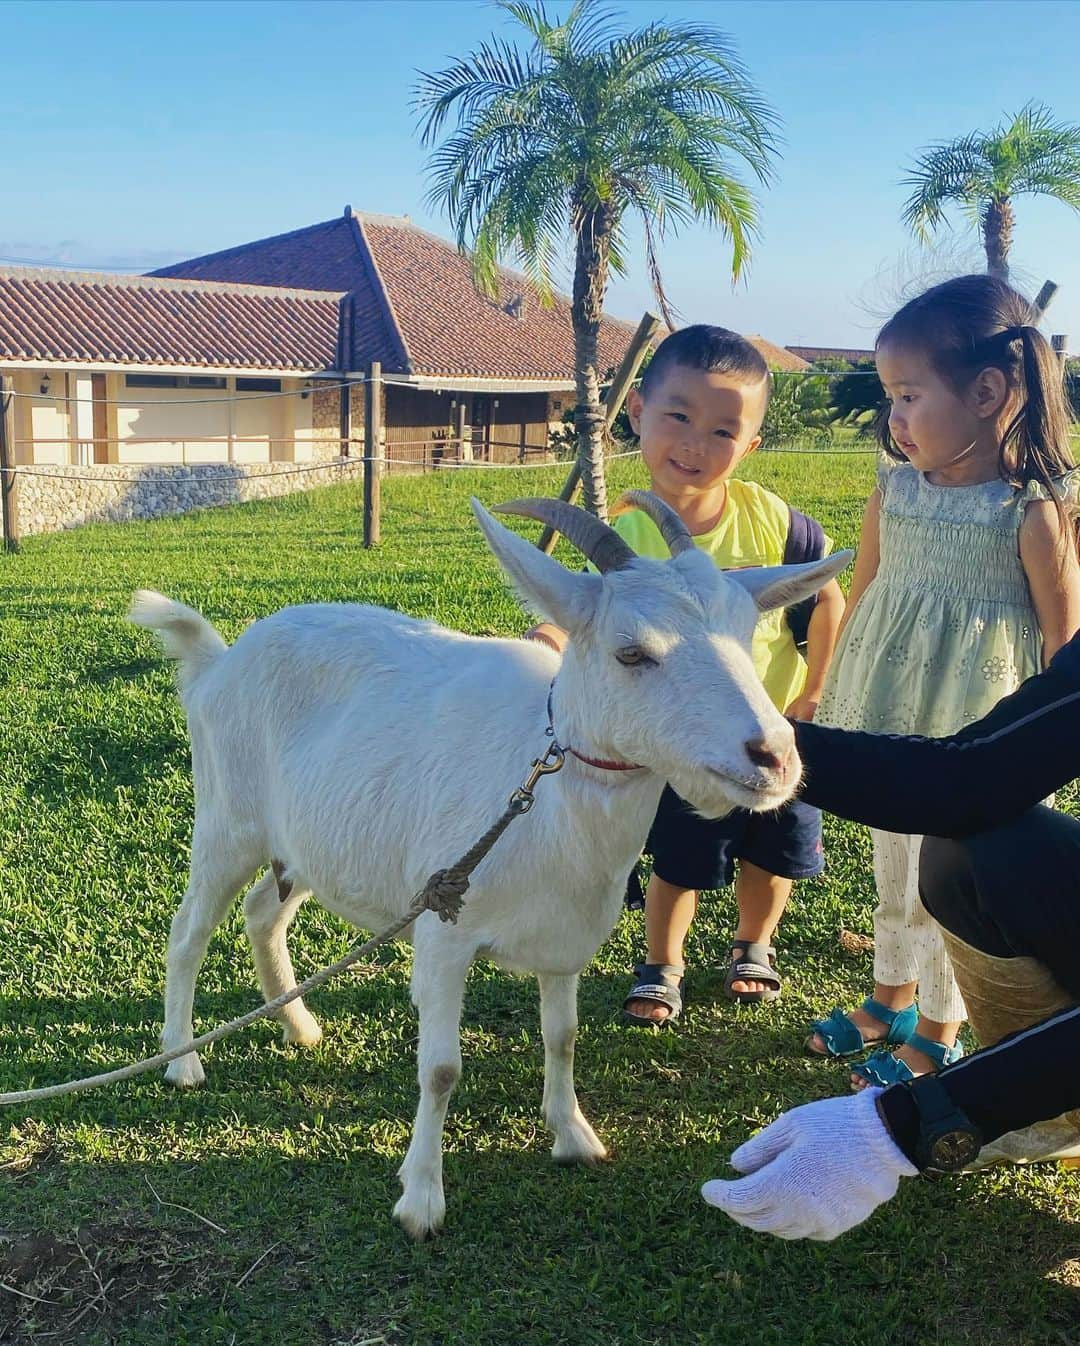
x,y
444,893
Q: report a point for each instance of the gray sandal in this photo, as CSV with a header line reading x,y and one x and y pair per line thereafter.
x,y
753,962
662,984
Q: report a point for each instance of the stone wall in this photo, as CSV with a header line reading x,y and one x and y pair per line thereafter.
x,y
52,498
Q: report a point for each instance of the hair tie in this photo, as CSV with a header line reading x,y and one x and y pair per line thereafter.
x,y
1016,333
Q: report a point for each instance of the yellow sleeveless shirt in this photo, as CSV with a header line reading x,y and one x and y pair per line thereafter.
x,y
752,531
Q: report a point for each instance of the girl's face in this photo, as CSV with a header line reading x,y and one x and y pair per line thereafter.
x,y
950,437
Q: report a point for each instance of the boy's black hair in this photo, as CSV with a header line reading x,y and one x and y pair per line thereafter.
x,y
711,349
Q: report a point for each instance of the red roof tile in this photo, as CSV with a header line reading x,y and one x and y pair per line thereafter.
x,y
106,319
415,307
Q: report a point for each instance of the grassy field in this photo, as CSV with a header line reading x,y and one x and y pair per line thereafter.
x,y
256,1210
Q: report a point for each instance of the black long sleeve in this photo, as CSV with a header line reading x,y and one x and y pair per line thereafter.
x,y
1027,1077
991,771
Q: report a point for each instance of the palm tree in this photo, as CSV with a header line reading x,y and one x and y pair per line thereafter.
x,y
569,136
981,173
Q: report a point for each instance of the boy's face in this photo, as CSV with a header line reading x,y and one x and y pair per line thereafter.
x,y
695,428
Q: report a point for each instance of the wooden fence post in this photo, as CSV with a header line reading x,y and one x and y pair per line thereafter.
x,y
373,426
616,396
344,417
9,482
1044,298
1060,345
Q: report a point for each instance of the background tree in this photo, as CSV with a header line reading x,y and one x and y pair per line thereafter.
x,y
981,174
567,136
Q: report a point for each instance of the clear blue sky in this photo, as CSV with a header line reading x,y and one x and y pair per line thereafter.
x,y
139,133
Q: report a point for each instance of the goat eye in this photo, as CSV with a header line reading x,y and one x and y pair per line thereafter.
x,y
631,656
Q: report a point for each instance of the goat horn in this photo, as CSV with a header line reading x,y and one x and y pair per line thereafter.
x,y
595,540
672,529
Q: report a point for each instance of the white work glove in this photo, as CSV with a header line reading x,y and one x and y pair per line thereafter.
x,y
814,1172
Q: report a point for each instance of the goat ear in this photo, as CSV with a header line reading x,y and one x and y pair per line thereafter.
x,y
781,586
547,588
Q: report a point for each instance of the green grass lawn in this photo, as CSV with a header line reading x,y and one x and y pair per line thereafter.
x,y
257,1210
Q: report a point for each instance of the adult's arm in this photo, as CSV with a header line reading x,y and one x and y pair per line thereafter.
x,y
821,1169
1027,1077
991,771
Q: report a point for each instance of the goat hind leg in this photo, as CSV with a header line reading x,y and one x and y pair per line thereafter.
x,y
438,989
217,873
267,920
575,1140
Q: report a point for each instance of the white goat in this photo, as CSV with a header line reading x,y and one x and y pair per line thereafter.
x,y
359,750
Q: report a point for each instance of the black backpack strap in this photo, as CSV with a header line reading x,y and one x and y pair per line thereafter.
x,y
805,542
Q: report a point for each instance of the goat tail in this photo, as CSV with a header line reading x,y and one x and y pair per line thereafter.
x,y
187,636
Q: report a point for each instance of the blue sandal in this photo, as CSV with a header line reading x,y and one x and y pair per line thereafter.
x,y
883,1068
842,1037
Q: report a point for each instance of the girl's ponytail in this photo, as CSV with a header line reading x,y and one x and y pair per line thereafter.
x,y
1037,437
1035,446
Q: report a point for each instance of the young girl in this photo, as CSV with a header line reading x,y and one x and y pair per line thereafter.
x,y
966,583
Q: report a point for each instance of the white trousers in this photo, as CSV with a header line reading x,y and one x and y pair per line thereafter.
x,y
907,941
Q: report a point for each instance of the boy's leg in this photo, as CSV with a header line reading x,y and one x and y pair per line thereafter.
x,y
761,898
774,850
689,853
669,913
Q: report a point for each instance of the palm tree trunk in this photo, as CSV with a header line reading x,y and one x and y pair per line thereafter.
x,y
590,282
997,225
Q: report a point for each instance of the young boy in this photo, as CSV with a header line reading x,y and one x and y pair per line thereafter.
x,y
698,415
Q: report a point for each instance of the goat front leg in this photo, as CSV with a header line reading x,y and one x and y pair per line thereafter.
x,y
438,989
575,1140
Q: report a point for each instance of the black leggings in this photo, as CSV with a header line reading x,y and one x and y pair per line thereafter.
x,y
1013,891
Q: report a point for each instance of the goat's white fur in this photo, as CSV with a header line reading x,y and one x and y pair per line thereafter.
x,y
364,749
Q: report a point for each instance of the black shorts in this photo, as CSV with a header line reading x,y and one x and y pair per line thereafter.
x,y
694,852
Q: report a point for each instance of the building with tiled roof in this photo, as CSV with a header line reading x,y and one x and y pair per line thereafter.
x,y
122,369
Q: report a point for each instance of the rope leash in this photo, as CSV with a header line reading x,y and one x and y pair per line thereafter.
x,y
444,892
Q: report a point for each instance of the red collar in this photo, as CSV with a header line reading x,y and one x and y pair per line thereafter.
x,y
603,763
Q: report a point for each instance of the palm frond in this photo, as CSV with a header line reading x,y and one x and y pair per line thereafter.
x,y
1031,154
585,123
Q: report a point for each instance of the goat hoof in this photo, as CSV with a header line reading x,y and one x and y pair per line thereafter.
x,y
578,1143
306,1033
420,1219
185,1072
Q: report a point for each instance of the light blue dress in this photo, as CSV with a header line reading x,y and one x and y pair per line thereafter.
x,y
946,628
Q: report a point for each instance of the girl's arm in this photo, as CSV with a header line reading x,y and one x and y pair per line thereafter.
x,y
820,642
1024,749
1048,555
867,557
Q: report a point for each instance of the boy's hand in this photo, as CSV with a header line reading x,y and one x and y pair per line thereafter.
x,y
802,708
547,633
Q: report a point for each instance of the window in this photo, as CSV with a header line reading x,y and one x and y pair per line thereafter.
x,y
151,381
173,381
258,385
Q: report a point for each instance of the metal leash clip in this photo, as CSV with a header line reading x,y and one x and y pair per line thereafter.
x,y
522,800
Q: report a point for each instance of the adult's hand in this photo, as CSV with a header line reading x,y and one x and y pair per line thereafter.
x,y
815,1172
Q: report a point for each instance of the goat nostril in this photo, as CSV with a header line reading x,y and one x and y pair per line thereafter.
x,y
761,755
